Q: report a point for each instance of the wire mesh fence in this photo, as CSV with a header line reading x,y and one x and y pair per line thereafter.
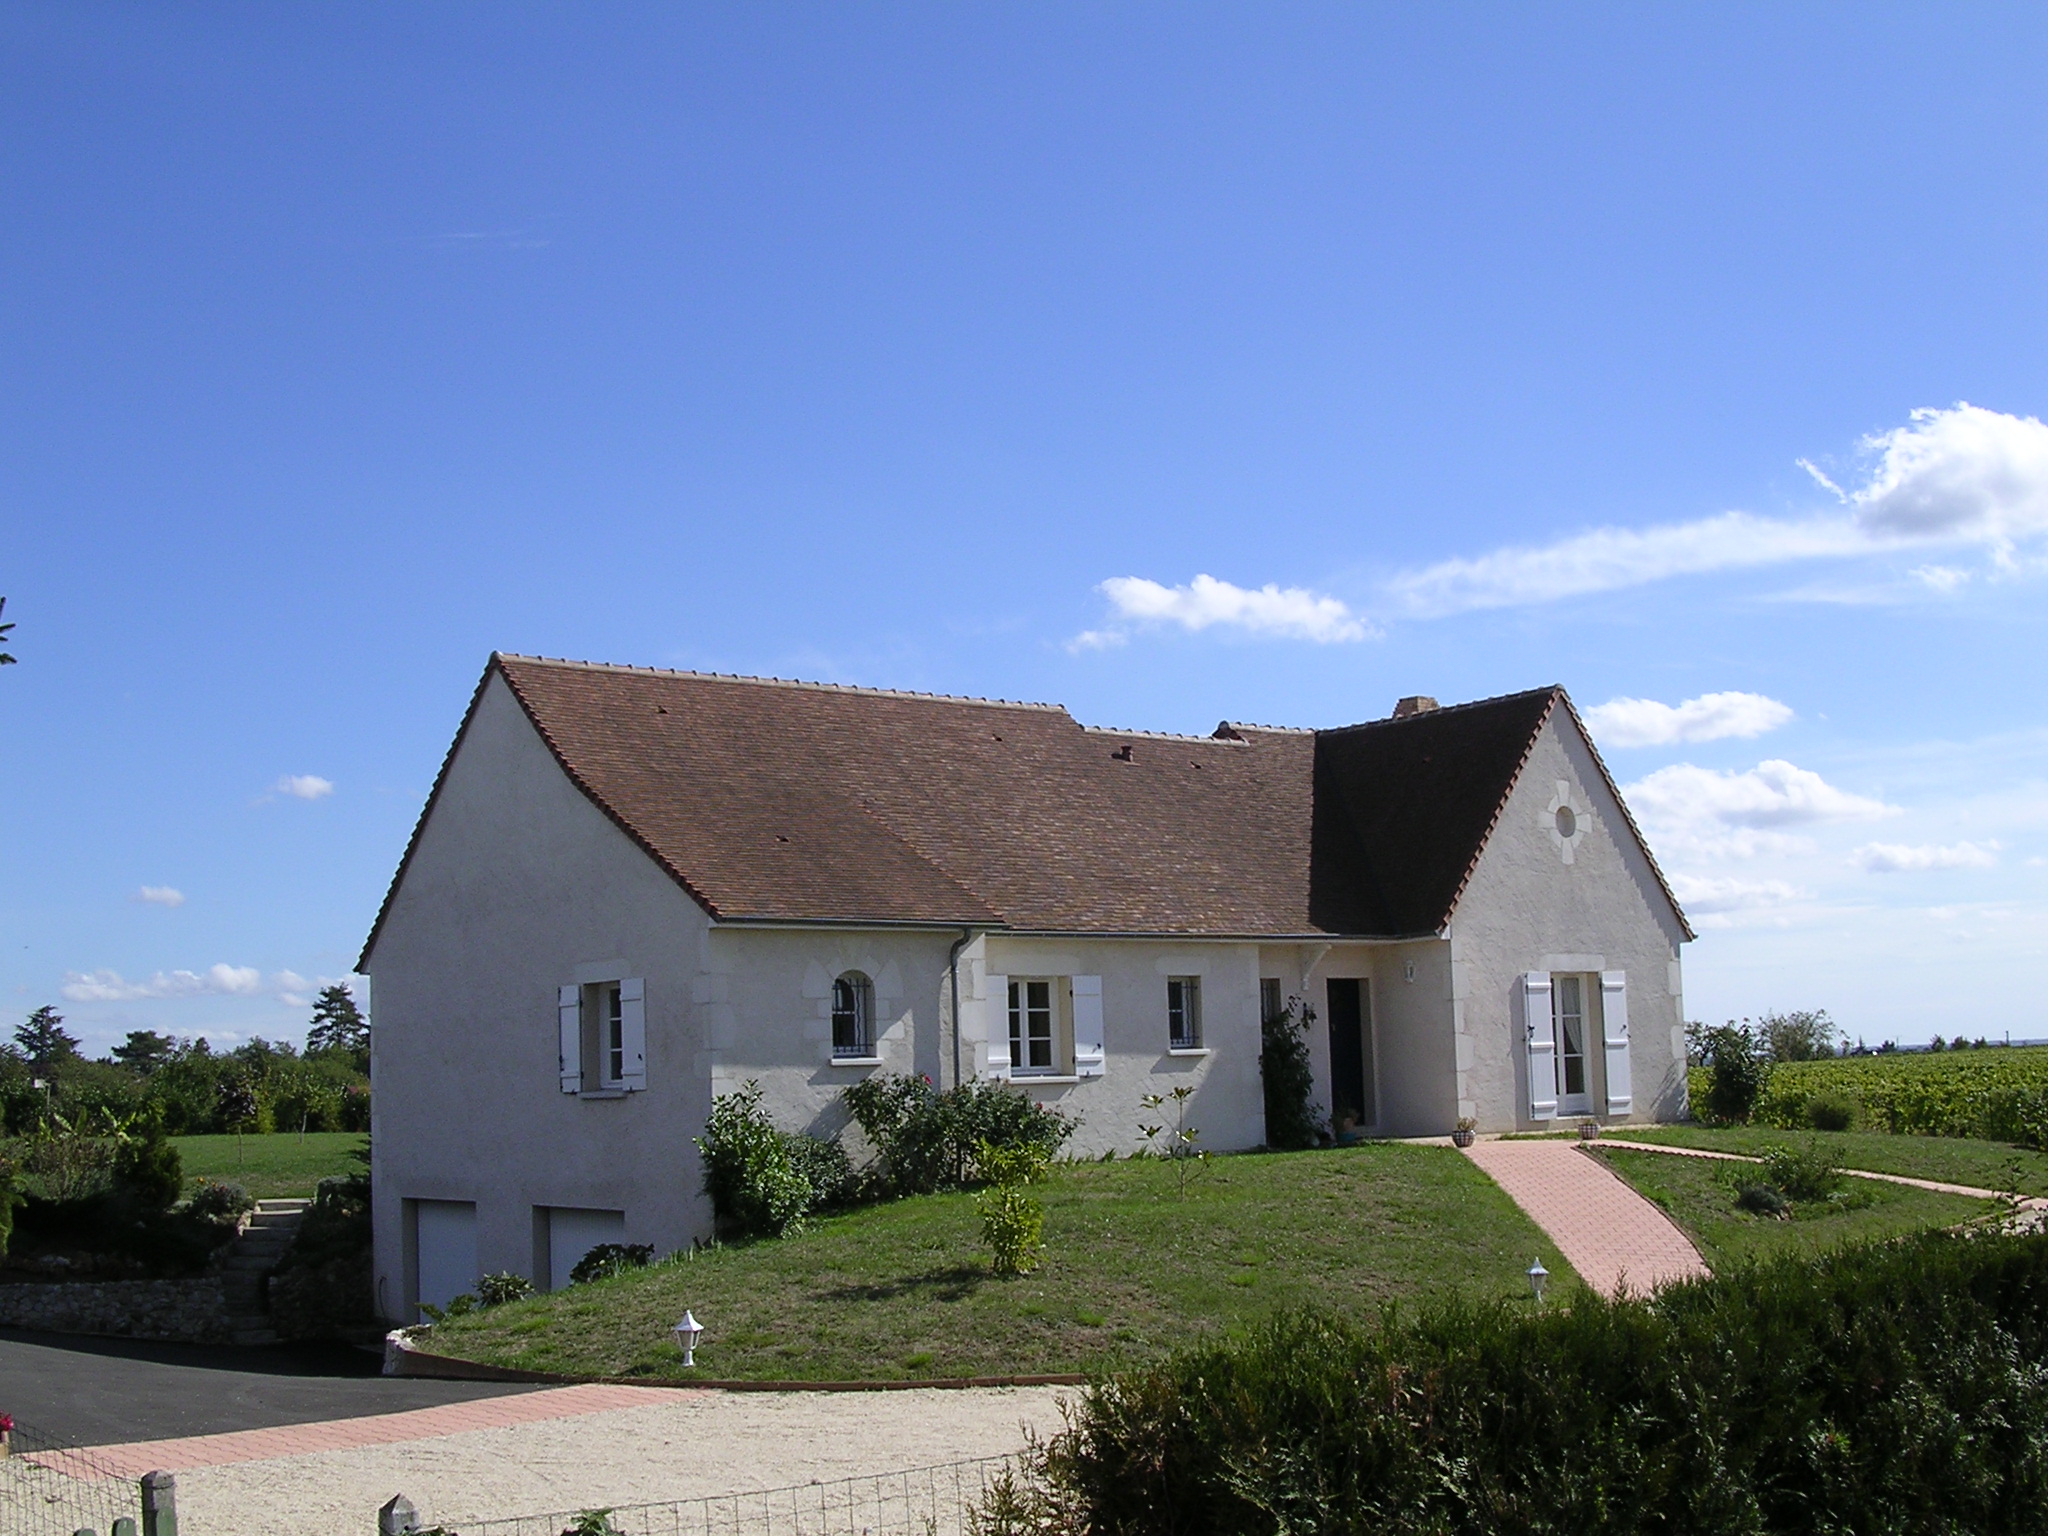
x,y
47,1489
928,1501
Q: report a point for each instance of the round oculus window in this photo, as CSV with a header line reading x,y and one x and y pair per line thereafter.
x,y
1567,823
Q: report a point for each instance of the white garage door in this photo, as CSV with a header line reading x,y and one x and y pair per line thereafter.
x,y
572,1233
447,1249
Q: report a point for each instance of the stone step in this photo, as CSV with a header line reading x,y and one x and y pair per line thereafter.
x,y
281,1206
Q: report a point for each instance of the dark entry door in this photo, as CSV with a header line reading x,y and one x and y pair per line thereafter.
x,y
1351,1051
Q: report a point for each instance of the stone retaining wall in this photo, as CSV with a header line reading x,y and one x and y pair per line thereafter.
x,y
188,1311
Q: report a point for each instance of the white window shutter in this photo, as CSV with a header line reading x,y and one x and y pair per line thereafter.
x,y
1088,1044
1614,1026
1540,1030
633,1033
570,1049
996,1062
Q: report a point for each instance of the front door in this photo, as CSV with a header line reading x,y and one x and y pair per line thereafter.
x,y
1568,1016
1351,1085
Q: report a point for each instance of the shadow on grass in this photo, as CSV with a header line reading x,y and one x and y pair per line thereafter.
x,y
956,1282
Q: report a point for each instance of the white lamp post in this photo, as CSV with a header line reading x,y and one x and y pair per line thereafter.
x,y
687,1332
1537,1275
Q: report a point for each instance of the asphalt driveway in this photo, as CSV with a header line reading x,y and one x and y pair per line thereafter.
x,y
68,1390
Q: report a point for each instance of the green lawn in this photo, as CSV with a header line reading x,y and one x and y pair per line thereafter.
x,y
269,1167
1130,1272
1949,1159
1699,1194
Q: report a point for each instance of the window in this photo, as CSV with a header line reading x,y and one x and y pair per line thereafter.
x,y
1272,1004
1568,1012
1184,1013
614,1015
853,1016
1031,1024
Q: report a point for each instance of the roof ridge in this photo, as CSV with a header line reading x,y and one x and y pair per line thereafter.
x,y
1119,730
1271,730
1442,709
780,682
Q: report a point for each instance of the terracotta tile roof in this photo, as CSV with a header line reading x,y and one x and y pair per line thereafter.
x,y
804,802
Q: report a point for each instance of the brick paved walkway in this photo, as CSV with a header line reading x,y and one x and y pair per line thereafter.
x,y
2022,1202
1611,1235
138,1457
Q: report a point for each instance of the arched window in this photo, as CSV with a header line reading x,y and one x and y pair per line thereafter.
x,y
853,1015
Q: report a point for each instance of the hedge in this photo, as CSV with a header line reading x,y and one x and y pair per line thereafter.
x,y
1897,1388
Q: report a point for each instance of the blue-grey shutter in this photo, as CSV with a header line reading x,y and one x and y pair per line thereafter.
x,y
1540,1032
1614,1029
569,1021
996,1059
1088,1039
633,1034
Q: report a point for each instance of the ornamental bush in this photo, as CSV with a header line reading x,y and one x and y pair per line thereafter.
x,y
753,1180
1886,1388
1738,1068
925,1139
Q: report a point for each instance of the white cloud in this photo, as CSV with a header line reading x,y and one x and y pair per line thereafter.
x,y
1895,858
303,786
1774,793
1606,559
1708,894
1960,476
111,987
1964,473
1271,611
1710,717
161,896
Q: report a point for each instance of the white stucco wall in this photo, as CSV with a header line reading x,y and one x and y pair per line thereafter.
x,y
1528,909
516,883
1228,1108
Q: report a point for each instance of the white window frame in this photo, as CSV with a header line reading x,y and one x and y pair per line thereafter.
x,y
1570,1101
1018,1021
1184,1014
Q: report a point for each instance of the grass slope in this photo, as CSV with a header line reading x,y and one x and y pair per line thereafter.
x,y
1699,1195
1948,1159
1130,1272
269,1167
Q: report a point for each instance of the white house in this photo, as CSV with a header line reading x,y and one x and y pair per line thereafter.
x,y
632,890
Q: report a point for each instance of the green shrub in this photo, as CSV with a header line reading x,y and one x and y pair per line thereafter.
x,y
1738,1067
1760,1200
609,1259
753,1181
10,1200
496,1290
222,1202
1293,1120
147,1167
1892,1388
824,1167
1830,1111
1012,1226
926,1140
1803,1174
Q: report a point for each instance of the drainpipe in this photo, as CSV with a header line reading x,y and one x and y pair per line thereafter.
x,y
953,978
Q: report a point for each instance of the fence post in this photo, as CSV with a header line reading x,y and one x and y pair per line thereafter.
x,y
159,1504
398,1518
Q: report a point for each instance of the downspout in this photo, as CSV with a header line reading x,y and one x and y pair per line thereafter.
x,y
967,936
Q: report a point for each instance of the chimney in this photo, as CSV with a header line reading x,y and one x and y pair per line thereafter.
x,y
1414,704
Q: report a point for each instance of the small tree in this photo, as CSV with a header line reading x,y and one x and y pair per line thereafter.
x,y
339,1026
1738,1065
1806,1034
1292,1120
45,1042
1179,1147
238,1109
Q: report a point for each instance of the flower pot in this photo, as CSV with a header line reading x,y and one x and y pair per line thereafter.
x,y
1461,1138
1589,1132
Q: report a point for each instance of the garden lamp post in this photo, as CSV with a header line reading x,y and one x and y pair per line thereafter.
x,y
687,1332
1537,1275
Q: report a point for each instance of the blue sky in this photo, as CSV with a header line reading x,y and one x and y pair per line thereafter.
x,y
946,347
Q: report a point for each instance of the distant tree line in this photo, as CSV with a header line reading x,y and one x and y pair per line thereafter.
x,y
186,1085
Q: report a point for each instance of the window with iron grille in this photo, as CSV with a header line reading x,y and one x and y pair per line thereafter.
x,y
853,1015
1184,1012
